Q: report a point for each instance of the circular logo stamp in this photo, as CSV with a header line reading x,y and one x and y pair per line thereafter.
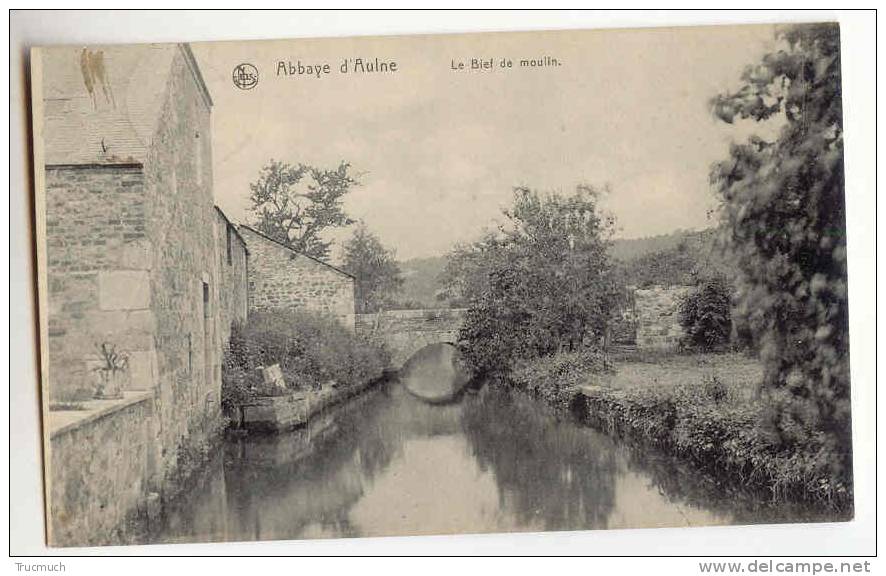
x,y
245,76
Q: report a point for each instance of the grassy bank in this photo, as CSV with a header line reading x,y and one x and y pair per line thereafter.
x,y
702,408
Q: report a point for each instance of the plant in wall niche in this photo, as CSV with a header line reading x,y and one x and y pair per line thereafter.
x,y
112,372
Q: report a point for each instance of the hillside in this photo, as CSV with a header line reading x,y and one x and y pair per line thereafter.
x,y
421,282
627,249
663,259
674,263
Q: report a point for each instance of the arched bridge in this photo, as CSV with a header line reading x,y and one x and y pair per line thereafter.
x,y
405,332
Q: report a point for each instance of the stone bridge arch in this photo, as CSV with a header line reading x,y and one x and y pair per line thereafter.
x,y
405,332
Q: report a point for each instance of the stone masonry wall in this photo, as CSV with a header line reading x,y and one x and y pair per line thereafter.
x,y
99,476
280,278
233,297
405,332
185,277
98,257
657,317
137,257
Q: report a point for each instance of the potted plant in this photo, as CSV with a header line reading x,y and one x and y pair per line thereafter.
x,y
111,373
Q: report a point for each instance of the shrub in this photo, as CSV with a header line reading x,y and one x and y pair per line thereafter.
x,y
555,379
647,414
312,349
237,388
728,438
714,389
543,285
490,336
705,314
238,373
237,352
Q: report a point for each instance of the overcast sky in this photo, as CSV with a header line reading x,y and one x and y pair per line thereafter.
x,y
440,150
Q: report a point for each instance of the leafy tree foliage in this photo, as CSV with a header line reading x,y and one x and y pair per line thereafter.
x,y
705,314
784,214
541,285
375,268
294,204
465,276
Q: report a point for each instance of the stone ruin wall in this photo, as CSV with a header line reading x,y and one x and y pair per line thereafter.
x,y
656,313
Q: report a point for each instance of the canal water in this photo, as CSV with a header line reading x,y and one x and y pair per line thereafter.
x,y
490,460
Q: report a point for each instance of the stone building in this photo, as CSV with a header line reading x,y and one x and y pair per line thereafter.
x,y
282,278
136,256
233,265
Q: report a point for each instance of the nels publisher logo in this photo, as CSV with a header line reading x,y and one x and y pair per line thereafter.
x,y
245,76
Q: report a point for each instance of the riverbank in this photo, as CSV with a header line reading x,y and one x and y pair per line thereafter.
x,y
702,409
270,414
387,463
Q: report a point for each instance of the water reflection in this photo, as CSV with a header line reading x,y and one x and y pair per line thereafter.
x,y
434,374
552,475
389,463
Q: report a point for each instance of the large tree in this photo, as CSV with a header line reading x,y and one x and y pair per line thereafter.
x,y
543,284
465,275
375,268
784,214
294,204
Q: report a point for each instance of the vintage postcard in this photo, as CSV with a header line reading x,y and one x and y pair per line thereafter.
x,y
468,283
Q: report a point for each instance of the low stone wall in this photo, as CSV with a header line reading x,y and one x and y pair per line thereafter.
x,y
658,318
100,463
276,413
405,332
279,413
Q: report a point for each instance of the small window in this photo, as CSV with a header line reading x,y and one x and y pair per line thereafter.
x,y
228,228
198,159
208,353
